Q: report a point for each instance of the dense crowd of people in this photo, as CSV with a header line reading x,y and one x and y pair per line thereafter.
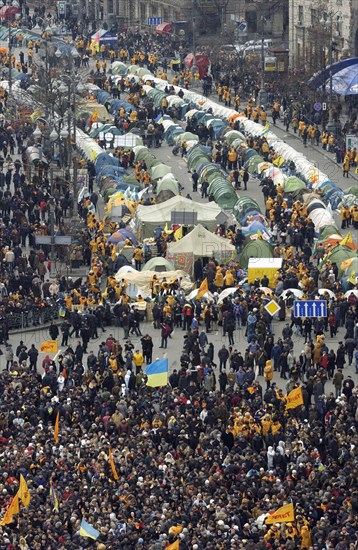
x,y
202,462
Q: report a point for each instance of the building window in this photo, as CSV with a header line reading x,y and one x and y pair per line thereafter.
x,y
314,17
300,15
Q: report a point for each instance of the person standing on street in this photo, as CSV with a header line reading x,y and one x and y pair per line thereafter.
x,y
245,178
195,178
33,354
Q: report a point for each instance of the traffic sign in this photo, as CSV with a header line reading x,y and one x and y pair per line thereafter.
x,y
61,8
310,308
317,106
155,20
272,307
324,106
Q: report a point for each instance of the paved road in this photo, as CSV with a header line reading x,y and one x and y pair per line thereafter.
x,y
179,168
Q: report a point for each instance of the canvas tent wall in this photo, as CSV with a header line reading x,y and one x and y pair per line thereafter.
x,y
199,243
258,267
149,217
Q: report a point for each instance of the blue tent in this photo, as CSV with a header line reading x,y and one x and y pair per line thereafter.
x,y
108,39
318,79
345,82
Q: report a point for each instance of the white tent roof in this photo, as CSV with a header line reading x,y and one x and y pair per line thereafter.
x,y
161,213
200,242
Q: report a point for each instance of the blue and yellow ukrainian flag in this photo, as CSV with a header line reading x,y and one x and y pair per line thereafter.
x,y
265,129
157,373
54,499
159,119
87,530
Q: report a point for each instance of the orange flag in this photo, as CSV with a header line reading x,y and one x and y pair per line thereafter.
x,y
55,432
174,546
23,492
11,511
294,399
203,289
282,515
113,466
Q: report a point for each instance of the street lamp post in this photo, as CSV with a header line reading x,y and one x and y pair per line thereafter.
x,y
327,22
262,96
72,86
53,136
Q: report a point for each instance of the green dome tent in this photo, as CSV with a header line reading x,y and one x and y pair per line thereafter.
x,y
255,249
158,264
352,190
293,184
223,192
339,254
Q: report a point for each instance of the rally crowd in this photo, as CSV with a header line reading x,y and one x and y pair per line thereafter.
x,y
201,462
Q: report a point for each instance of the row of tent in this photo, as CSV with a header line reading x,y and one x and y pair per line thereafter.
x,y
309,172
160,173
306,169
34,34
246,209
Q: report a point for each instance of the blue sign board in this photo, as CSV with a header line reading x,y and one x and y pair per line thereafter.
x,y
310,308
155,20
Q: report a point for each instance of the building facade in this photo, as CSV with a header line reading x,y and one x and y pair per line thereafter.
x,y
268,18
134,13
321,31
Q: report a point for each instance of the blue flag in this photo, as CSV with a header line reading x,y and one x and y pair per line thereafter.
x,y
159,119
157,373
87,530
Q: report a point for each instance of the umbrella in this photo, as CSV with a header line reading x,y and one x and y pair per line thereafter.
x,y
122,235
267,291
294,291
354,291
208,295
225,293
323,291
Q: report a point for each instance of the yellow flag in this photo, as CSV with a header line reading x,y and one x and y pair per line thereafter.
x,y
11,511
175,530
167,231
294,399
174,546
178,234
203,289
113,466
23,492
280,160
282,515
50,346
353,279
57,424
347,239
35,115
346,263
